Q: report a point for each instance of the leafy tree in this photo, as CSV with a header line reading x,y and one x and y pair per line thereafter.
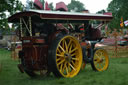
x,y
119,9
75,6
8,7
101,12
31,5
51,6
43,2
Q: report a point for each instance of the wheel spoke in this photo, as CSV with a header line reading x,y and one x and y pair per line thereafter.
x,y
72,67
65,65
67,70
95,62
61,62
104,63
63,43
100,66
62,48
70,48
97,65
73,63
69,67
69,43
76,59
58,59
61,68
96,55
66,45
73,50
101,56
60,55
58,50
73,54
104,58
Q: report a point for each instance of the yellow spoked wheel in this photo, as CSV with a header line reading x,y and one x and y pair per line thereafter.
x,y
100,60
66,57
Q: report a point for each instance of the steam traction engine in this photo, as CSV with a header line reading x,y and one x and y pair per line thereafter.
x,y
47,47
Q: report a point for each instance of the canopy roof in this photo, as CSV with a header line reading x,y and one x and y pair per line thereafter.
x,y
57,16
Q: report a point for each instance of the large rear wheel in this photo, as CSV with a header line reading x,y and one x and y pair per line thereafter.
x,y
100,60
65,56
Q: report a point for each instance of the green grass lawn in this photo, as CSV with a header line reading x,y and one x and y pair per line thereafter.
x,y
117,74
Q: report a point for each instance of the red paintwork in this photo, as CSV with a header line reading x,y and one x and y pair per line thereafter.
x,y
54,15
108,13
46,6
38,4
33,40
61,5
35,53
39,41
35,56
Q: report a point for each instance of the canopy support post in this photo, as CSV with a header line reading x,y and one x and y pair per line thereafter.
x,y
21,32
30,26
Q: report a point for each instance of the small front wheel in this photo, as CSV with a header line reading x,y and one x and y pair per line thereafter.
x,y
100,60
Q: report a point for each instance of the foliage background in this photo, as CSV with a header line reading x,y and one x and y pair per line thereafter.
x,y
7,8
119,9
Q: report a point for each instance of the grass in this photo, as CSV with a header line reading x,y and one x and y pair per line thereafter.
x,y
115,75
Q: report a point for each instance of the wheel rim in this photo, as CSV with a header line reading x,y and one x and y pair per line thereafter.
x,y
100,60
68,56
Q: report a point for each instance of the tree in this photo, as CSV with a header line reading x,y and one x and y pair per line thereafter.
x,y
8,7
43,2
101,12
75,6
31,5
119,9
51,6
